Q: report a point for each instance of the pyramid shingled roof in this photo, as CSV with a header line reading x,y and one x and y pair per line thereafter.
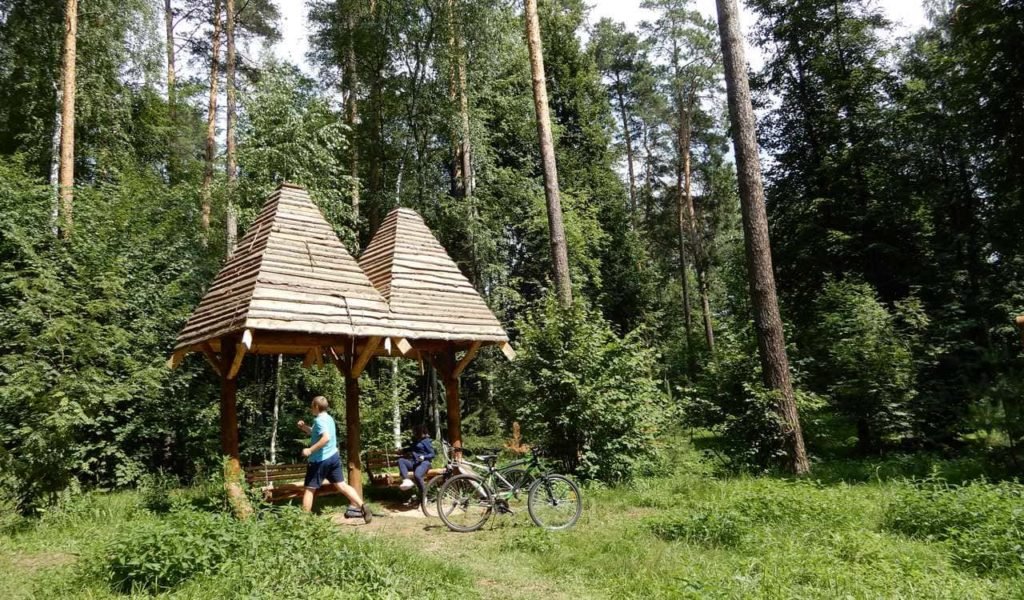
x,y
289,273
429,297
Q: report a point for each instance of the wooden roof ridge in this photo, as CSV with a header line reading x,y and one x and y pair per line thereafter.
x,y
428,295
289,273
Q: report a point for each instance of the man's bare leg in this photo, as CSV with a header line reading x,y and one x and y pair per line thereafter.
x,y
350,493
307,500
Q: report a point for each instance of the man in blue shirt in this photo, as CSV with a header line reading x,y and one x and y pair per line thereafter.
x,y
324,459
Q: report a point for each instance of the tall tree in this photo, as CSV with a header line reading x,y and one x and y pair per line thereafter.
x,y
232,118
619,56
686,42
211,119
350,84
67,130
559,252
771,342
462,166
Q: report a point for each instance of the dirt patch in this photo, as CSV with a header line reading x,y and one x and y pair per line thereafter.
x,y
42,560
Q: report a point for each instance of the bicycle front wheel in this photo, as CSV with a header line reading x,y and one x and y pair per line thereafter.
x,y
464,503
554,502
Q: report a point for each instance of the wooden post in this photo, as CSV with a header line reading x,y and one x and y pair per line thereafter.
x,y
229,429
352,441
445,365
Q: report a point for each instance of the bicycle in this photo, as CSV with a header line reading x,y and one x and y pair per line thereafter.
x,y
466,501
515,479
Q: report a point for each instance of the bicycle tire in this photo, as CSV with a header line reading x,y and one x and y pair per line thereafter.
x,y
428,503
546,504
474,497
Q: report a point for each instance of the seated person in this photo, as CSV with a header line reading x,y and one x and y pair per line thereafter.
x,y
417,458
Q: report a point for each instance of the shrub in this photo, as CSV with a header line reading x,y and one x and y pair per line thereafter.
x,y
159,555
712,526
156,491
983,523
584,394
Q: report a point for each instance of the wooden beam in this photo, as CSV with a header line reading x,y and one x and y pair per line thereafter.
x,y
507,349
352,439
402,345
451,392
311,357
466,358
229,432
364,356
247,339
212,358
236,363
176,357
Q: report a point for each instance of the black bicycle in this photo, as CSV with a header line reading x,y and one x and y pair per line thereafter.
x,y
514,478
467,500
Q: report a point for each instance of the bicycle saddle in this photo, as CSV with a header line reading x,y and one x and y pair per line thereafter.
x,y
487,458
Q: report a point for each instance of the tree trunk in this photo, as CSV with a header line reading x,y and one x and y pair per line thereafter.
x,y
277,409
626,134
396,408
696,250
559,252
462,175
232,167
55,160
681,184
351,112
67,130
771,341
169,26
211,121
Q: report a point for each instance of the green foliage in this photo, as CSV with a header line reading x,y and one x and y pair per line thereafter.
x,y
713,528
273,554
860,354
155,491
585,395
983,523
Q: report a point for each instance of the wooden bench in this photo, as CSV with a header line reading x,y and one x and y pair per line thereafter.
x,y
382,468
283,482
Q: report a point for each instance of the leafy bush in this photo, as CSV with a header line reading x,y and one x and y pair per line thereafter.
x,y
272,555
159,555
711,526
584,394
863,358
156,491
983,523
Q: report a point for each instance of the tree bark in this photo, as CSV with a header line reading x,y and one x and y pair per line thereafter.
x,y
171,75
696,249
211,122
771,341
681,193
396,407
350,82
67,130
232,116
462,167
277,409
559,252
627,135
55,160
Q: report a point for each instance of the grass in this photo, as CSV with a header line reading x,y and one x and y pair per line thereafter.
x,y
693,534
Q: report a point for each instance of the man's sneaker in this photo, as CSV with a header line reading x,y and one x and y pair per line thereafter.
x,y
367,515
406,485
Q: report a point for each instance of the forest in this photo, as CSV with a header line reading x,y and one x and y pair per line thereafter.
x,y
867,365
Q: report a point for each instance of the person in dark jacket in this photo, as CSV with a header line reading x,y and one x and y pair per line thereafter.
x,y
416,461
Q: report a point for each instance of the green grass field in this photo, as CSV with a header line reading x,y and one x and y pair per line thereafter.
x,y
689,535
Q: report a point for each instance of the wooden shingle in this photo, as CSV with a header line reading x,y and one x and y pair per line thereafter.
x,y
429,297
290,274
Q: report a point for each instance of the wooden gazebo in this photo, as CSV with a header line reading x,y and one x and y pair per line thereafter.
x,y
433,305
292,288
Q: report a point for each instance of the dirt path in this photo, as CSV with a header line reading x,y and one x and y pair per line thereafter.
x,y
498,571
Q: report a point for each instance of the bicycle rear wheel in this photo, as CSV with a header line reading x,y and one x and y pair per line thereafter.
x,y
555,502
428,503
464,503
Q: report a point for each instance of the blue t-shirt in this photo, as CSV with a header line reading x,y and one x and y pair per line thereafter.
x,y
324,423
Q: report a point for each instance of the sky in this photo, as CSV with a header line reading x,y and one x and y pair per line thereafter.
x,y
908,16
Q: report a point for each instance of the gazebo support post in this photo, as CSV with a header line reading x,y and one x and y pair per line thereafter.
x,y
446,366
352,441
229,431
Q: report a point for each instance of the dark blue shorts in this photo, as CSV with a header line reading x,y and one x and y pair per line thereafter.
x,y
329,469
